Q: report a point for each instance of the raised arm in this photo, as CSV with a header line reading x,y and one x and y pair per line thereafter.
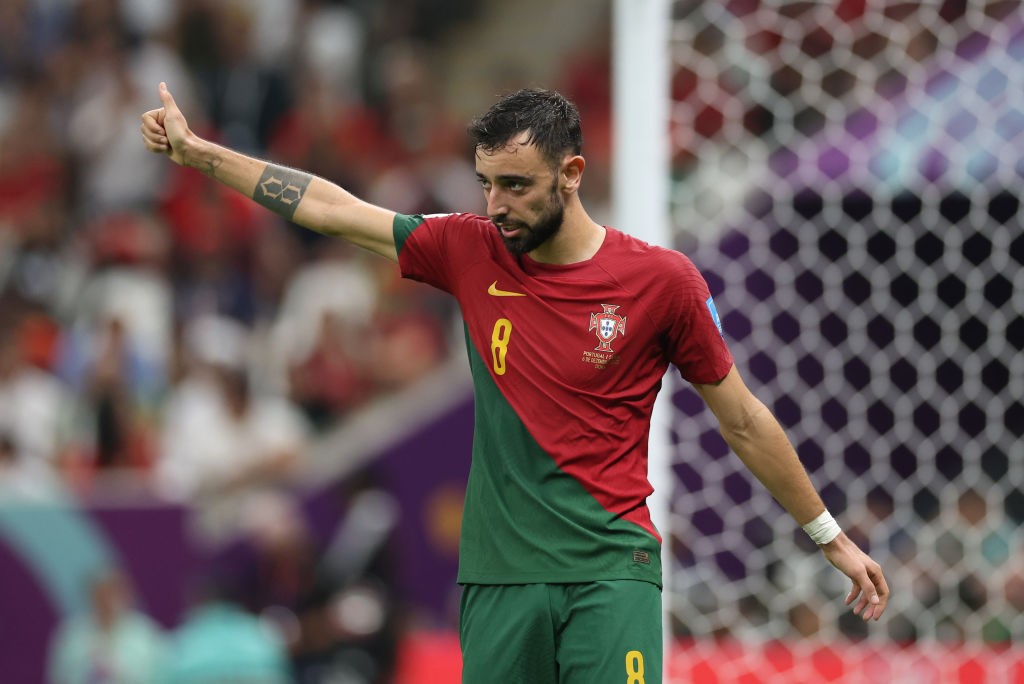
x,y
308,200
757,438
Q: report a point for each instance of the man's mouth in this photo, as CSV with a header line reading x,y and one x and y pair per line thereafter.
x,y
509,230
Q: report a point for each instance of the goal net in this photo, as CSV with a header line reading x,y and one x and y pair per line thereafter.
x,y
846,175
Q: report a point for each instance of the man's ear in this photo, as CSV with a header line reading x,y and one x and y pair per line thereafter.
x,y
572,173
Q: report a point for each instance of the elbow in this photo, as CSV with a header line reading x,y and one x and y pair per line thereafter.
x,y
746,424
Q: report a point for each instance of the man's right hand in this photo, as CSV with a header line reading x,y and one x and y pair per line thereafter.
x,y
165,130
310,201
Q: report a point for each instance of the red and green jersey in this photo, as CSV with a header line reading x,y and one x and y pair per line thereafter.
x,y
566,362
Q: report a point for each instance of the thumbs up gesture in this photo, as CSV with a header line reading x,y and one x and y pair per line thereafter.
x,y
165,130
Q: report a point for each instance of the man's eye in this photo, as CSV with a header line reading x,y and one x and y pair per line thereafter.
x,y
516,187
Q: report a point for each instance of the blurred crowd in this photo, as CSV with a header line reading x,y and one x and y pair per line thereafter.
x,y
155,323
289,612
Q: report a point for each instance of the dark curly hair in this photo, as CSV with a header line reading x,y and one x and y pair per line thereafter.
x,y
552,121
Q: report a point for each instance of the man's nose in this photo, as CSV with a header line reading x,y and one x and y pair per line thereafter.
x,y
496,205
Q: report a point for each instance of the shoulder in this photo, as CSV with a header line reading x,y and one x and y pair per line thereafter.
x,y
411,222
440,227
664,268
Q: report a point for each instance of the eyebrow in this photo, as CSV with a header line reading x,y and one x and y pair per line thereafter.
x,y
507,178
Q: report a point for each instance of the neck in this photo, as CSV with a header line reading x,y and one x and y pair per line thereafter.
x,y
577,240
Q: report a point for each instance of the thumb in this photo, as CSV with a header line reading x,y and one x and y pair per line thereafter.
x,y
166,98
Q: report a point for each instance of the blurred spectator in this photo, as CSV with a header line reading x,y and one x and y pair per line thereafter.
x,y
114,643
223,441
333,134
37,266
214,234
35,406
408,337
406,345
276,257
31,165
115,350
335,606
115,73
121,438
244,97
431,171
332,46
329,381
24,479
28,30
125,294
220,642
320,335
357,563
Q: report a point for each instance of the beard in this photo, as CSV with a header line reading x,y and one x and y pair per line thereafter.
x,y
533,235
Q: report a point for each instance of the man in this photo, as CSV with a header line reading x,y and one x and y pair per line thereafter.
x,y
570,327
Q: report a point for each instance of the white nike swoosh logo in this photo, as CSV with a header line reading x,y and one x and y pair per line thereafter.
x,y
495,292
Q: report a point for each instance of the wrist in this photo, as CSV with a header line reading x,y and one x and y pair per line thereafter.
x,y
195,152
823,529
192,151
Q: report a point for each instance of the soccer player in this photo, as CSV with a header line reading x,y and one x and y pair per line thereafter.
x,y
570,326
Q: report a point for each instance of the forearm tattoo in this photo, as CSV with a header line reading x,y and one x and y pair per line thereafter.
x,y
280,189
211,165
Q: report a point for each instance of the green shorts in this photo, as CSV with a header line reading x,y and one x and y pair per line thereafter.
x,y
605,632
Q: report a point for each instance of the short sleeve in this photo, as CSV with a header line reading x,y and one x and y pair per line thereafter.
x,y
697,345
438,249
423,250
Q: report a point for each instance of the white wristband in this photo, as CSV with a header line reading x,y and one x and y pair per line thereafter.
x,y
823,529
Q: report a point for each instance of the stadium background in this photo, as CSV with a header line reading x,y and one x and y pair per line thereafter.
x,y
845,174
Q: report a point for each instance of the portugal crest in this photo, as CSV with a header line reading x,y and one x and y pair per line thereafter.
x,y
608,325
